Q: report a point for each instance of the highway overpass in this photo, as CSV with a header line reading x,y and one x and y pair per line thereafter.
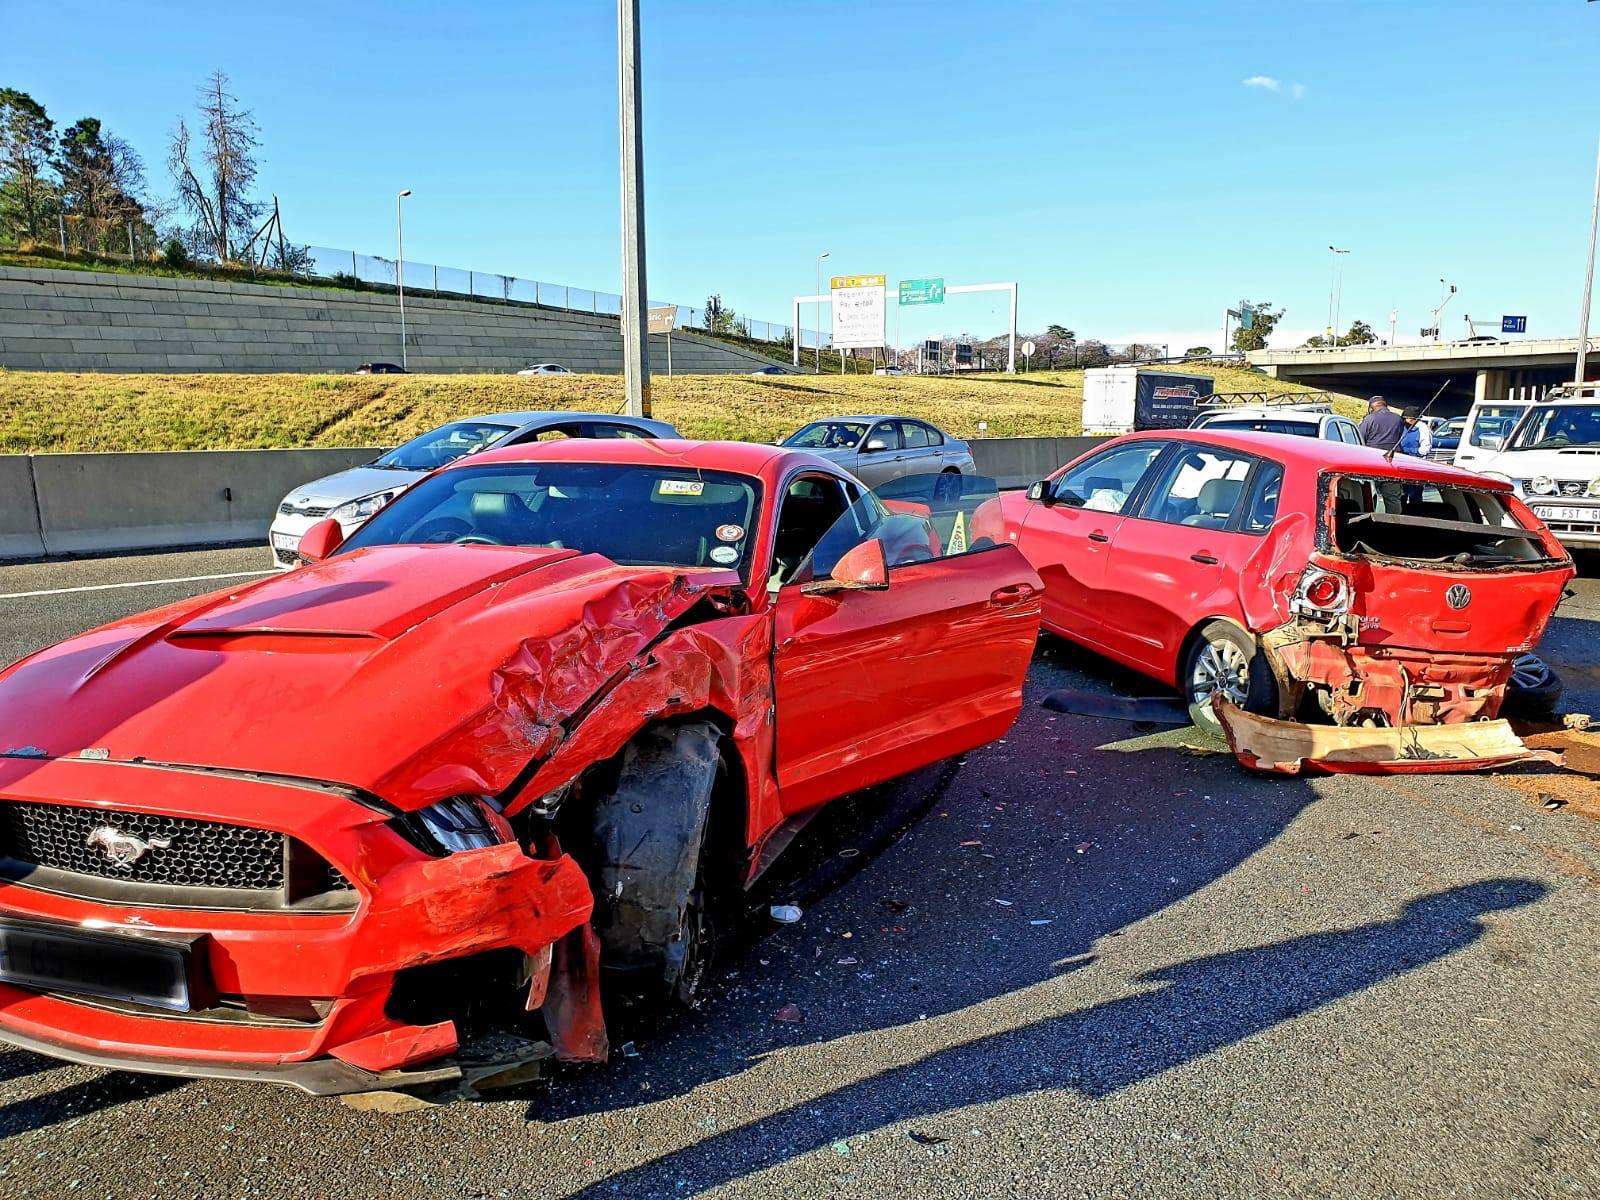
x,y
1524,368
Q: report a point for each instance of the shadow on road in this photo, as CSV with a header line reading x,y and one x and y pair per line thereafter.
x,y
1195,1008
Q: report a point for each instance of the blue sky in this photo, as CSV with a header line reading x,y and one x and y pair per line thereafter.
x,y
1111,157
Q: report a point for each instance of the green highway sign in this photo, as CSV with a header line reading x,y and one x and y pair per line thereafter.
x,y
922,291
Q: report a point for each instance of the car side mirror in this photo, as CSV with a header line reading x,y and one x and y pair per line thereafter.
x,y
1040,492
875,444
861,569
321,540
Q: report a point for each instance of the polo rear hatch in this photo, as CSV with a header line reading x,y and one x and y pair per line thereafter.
x,y
1437,565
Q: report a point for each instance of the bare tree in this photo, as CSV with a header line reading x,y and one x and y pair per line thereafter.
x,y
217,197
102,183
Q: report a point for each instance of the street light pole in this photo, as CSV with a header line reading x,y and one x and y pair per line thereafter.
x,y
818,329
635,302
1335,289
1449,290
400,270
1588,281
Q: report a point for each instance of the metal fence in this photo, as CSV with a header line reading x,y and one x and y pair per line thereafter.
x,y
349,266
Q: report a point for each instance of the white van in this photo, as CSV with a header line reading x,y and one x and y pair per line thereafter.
x,y
1552,457
1485,433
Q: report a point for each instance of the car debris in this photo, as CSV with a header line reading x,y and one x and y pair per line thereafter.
x,y
1291,748
785,914
503,751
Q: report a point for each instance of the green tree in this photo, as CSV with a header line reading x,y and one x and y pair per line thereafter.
x,y
1197,352
1061,333
1360,334
28,195
718,318
1265,320
102,179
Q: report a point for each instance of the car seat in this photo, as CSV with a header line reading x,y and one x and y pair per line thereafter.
x,y
1216,502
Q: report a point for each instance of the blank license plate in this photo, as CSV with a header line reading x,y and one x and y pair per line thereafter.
x,y
1561,512
60,958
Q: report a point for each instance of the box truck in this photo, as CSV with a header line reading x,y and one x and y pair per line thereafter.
x,y
1123,399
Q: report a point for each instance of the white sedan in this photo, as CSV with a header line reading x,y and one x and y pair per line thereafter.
x,y
544,369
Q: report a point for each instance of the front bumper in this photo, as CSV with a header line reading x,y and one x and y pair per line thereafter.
x,y
332,971
1573,522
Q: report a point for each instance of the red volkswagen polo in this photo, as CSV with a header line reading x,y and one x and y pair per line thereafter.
x,y
1302,578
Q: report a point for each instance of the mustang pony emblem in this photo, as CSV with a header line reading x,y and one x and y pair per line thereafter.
x,y
122,849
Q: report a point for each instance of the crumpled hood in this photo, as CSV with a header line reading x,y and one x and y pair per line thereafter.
x,y
333,490
414,672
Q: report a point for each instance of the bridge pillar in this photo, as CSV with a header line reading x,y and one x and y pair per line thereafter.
x,y
1490,385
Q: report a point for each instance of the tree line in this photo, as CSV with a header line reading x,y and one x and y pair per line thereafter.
x,y
84,188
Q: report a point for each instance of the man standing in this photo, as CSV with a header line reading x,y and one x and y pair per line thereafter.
x,y
1416,439
1381,427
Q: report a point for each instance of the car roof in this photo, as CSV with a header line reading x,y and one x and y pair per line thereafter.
x,y
742,458
1267,412
545,416
868,418
1321,454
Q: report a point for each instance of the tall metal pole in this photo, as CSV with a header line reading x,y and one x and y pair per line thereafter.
x,y
635,317
400,270
1588,280
1334,289
818,317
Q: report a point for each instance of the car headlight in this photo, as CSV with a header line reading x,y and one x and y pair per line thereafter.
x,y
1542,485
455,824
360,510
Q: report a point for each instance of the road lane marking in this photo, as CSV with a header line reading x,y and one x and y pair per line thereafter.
x,y
104,587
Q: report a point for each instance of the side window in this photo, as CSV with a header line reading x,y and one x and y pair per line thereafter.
x,y
1491,423
1201,486
551,433
935,438
603,429
886,432
916,436
1261,509
1107,480
811,506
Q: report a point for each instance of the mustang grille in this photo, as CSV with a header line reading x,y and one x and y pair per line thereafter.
x,y
197,854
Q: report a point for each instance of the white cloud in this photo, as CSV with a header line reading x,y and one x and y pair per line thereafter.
x,y
1270,83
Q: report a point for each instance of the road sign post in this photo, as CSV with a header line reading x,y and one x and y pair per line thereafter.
x,y
859,312
664,319
921,291
1514,324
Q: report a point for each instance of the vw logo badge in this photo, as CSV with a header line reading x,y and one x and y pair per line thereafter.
x,y
1459,596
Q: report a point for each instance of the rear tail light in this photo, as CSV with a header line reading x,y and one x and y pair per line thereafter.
x,y
1325,591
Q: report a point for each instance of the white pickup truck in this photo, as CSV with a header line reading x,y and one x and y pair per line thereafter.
x,y
1550,453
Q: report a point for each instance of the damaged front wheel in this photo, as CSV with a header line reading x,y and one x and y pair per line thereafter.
x,y
652,904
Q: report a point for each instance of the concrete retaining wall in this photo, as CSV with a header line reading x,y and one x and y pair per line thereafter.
x,y
104,321
1017,462
99,503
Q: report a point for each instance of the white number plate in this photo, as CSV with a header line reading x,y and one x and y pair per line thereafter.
x,y
285,541
1562,512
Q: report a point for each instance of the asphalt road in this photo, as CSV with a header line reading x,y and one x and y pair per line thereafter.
x,y
1098,964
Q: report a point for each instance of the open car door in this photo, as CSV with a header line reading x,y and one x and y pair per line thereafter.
x,y
897,644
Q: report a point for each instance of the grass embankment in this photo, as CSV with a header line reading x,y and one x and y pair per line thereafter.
x,y
45,411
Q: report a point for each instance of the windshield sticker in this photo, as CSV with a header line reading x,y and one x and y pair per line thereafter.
x,y
724,554
729,533
680,487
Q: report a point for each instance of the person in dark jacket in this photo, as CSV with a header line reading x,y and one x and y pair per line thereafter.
x,y
1382,427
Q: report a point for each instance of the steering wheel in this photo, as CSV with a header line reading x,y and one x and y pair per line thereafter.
x,y
478,539
441,530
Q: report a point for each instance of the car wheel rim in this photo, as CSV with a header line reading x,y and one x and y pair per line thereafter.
x,y
1219,667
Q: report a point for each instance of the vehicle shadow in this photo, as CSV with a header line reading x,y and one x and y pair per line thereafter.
x,y
76,1100
1193,1008
1084,844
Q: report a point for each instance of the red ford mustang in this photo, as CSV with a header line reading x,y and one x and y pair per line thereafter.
x,y
521,731
1301,578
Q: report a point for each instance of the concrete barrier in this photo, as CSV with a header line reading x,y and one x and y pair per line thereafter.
x,y
1017,462
100,503
20,536
91,503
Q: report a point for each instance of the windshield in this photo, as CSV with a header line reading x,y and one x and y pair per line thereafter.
x,y
444,445
1558,427
828,435
634,515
